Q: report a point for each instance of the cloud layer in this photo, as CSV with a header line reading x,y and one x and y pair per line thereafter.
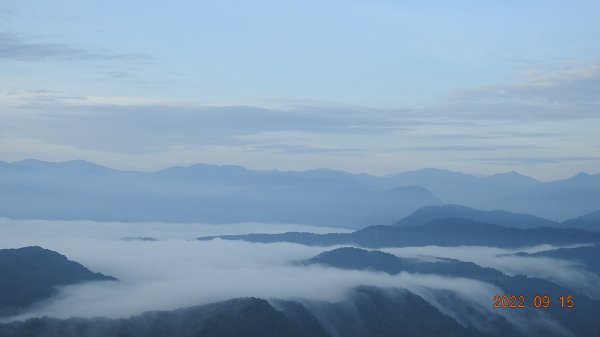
x,y
17,47
178,271
566,273
542,124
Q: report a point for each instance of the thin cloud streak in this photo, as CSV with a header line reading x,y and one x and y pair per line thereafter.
x,y
511,161
569,93
17,47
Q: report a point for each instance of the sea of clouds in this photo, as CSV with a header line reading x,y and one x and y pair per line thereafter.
x,y
178,271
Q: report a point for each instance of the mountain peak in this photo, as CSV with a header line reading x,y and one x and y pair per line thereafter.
x,y
497,217
77,163
508,174
581,174
31,161
43,269
513,175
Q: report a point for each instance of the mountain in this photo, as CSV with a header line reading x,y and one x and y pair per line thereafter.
x,y
501,218
460,188
555,200
386,312
366,312
587,256
361,259
441,232
239,317
580,319
225,193
200,193
31,274
558,200
589,221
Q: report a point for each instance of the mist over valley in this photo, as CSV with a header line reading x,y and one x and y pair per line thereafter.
x,y
299,168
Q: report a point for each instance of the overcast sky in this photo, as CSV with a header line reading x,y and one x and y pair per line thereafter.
x,y
373,86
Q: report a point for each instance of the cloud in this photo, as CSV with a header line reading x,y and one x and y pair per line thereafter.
x,y
533,160
148,126
150,133
570,92
500,135
130,127
178,272
560,271
302,149
28,232
467,148
17,47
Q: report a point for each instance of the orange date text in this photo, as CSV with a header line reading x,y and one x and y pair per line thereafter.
x,y
537,302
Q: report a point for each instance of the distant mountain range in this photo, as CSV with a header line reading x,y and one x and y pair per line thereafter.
x,y
439,232
587,221
31,274
559,200
200,193
556,200
461,188
224,194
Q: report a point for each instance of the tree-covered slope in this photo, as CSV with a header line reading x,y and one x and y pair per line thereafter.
x,y
31,274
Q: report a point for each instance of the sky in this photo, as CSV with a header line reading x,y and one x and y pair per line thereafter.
x,y
362,86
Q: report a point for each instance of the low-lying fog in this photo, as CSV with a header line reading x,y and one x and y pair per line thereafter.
x,y
560,271
178,271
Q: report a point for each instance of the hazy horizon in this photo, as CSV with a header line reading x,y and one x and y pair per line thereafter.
x,y
154,170
376,87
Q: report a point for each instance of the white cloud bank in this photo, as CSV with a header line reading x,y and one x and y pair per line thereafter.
x,y
178,271
563,272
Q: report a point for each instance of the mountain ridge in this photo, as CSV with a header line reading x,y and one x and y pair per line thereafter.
x,y
34,189
439,232
497,217
30,274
